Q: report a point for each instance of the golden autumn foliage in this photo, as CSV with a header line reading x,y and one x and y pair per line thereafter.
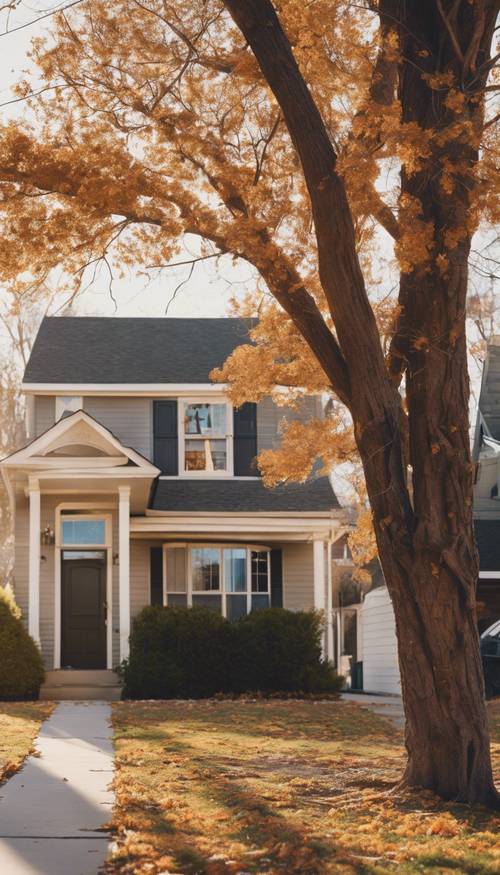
x,y
153,121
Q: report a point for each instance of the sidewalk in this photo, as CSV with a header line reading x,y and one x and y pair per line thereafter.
x,y
53,811
387,706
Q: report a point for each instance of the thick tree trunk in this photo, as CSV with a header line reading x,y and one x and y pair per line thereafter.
x,y
425,541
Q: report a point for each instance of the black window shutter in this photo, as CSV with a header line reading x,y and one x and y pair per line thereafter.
x,y
156,575
245,440
276,579
165,436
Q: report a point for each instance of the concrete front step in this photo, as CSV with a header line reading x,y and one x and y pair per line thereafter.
x,y
80,685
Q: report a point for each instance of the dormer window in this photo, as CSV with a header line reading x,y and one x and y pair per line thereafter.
x,y
205,447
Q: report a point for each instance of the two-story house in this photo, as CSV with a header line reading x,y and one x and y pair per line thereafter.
x,y
139,486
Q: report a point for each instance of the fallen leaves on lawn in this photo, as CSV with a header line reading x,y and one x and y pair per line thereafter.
x,y
261,788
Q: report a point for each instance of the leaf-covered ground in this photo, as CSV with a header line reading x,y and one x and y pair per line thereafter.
x,y
19,725
280,787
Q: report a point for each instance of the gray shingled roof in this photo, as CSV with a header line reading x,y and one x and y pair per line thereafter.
x,y
114,350
488,543
242,496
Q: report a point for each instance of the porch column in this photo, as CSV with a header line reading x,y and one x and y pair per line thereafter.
x,y
329,604
319,580
34,560
124,567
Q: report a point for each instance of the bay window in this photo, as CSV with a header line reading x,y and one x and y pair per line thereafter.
x,y
231,579
206,432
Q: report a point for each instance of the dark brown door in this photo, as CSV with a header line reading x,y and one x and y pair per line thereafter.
x,y
83,603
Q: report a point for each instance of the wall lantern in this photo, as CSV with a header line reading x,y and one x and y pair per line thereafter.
x,y
47,537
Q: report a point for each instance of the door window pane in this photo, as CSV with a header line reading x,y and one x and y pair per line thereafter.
x,y
83,532
206,569
235,576
260,579
205,419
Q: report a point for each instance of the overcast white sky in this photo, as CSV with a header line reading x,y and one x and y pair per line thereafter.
x,y
211,286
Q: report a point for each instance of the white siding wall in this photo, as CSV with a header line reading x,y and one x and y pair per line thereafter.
x,y
129,419
45,413
298,577
380,655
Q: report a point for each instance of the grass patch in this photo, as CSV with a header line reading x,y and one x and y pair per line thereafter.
x,y
19,725
264,787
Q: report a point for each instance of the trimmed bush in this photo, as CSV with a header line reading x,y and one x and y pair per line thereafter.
x,y
279,650
195,653
21,666
176,653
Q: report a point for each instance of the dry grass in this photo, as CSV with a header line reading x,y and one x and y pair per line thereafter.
x,y
280,787
19,725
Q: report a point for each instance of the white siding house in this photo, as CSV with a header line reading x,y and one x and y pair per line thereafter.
x,y
380,652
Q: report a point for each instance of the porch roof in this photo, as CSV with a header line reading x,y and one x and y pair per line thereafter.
x,y
242,496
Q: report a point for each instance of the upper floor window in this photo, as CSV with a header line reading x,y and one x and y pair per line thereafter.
x,y
205,445
196,437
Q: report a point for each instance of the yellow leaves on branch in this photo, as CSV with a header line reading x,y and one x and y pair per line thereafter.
x,y
279,364
302,444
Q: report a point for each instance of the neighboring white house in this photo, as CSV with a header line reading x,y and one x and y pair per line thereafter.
x,y
139,486
380,650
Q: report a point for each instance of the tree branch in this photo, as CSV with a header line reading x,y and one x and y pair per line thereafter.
x,y
339,269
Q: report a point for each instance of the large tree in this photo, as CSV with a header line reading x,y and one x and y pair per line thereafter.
x,y
302,144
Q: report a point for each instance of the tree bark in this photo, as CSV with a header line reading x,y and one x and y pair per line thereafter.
x,y
426,545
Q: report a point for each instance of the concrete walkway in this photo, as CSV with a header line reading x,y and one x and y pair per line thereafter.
x,y
387,706
53,812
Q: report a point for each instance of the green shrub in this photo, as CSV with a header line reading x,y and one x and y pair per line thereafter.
x,y
21,666
176,653
195,653
280,650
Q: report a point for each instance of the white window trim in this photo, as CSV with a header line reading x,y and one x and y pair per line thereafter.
x,y
189,592
77,404
106,548
228,437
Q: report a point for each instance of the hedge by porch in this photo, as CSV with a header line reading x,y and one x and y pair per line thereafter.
x,y
190,653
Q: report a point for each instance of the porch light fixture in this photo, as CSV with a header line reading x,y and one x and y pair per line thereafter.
x,y
47,537
115,559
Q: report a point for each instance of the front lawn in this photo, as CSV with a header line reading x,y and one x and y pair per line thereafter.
x,y
19,725
270,787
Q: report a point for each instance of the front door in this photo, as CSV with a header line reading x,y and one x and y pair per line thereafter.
x,y
83,604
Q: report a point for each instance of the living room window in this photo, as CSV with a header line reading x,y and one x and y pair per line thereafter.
x,y
206,432
233,579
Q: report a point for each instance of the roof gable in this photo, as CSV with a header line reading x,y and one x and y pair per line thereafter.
x,y
86,350
78,436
